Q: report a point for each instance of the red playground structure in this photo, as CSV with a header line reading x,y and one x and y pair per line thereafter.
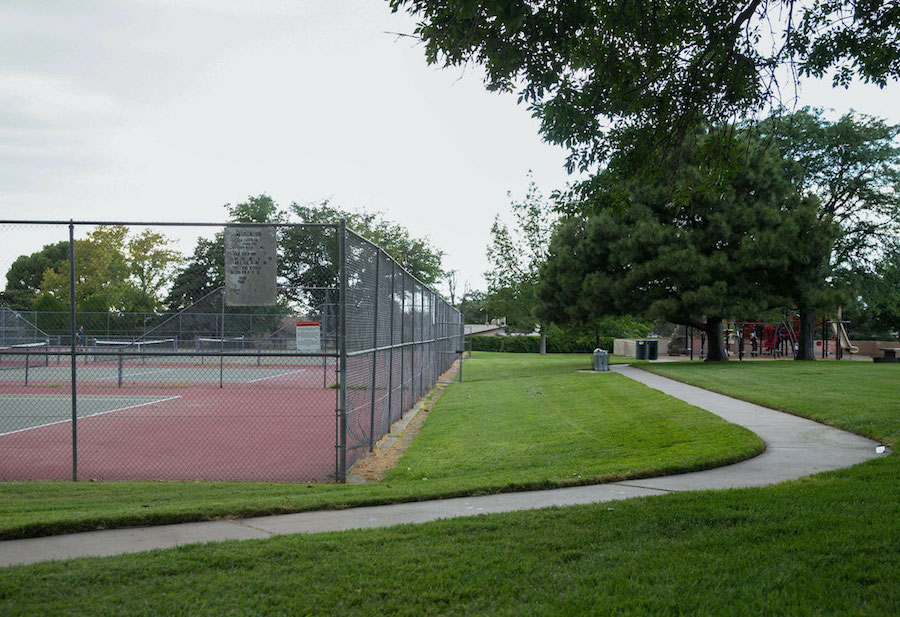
x,y
781,339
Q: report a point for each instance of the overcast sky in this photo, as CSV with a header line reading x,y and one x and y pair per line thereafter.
x,y
167,109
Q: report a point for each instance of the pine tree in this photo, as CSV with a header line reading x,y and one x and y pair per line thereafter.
x,y
734,242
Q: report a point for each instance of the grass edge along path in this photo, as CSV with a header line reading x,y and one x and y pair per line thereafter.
x,y
828,392
42,508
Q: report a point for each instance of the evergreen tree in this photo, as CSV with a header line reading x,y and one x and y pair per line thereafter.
x,y
202,273
736,241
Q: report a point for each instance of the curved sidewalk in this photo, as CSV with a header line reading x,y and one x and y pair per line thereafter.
x,y
795,447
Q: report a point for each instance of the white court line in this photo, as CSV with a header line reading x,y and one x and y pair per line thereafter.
x,y
151,371
302,370
99,413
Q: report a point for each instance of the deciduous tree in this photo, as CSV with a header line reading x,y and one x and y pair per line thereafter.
x,y
114,271
853,167
25,275
309,255
610,76
515,255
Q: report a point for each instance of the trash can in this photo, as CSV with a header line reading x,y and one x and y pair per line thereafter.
x,y
640,350
652,350
601,360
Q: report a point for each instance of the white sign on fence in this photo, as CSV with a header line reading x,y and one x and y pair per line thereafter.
x,y
250,266
308,337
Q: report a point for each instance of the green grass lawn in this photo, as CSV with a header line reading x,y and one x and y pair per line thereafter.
x,y
517,421
822,545
862,397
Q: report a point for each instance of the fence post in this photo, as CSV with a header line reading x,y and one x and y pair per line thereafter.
x,y
412,340
390,389
422,346
432,300
342,361
374,348
323,330
402,338
72,349
222,341
462,343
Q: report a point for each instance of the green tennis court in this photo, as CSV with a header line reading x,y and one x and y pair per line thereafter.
x,y
28,411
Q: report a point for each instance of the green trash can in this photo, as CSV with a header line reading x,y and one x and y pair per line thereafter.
x,y
640,350
652,350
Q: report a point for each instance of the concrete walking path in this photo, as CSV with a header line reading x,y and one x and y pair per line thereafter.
x,y
795,447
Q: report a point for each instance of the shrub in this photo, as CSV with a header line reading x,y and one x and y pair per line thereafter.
x,y
556,343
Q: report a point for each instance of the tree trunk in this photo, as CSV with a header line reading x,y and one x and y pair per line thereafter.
x,y
715,340
543,344
807,339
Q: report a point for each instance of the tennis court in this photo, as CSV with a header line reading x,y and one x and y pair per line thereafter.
x,y
288,365
263,423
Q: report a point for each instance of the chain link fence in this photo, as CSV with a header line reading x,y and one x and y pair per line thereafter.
x,y
213,388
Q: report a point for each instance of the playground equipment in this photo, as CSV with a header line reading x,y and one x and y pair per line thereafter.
x,y
782,338
777,339
840,334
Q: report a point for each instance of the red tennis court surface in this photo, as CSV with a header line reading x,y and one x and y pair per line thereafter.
x,y
280,428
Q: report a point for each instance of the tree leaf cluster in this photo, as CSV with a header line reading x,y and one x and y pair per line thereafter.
x,y
609,76
114,270
853,166
514,255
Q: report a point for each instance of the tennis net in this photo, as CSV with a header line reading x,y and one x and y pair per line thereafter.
x,y
25,355
135,347
234,343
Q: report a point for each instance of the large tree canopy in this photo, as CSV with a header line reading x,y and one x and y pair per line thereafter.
x,y
608,75
113,271
25,275
735,243
853,166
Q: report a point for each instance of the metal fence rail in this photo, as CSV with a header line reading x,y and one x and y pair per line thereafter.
x,y
212,391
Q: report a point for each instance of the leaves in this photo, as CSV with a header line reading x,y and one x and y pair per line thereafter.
x,y
598,72
113,271
515,256
853,167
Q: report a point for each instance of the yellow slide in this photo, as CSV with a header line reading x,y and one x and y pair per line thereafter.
x,y
841,333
